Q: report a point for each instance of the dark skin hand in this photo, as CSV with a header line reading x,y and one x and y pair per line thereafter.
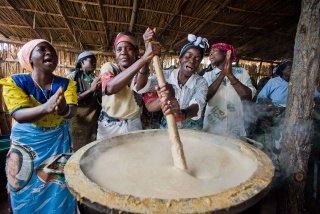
x,y
226,71
95,87
165,90
56,103
170,105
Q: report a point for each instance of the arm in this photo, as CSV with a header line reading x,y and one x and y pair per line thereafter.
x,y
56,103
213,88
243,91
95,87
125,77
152,100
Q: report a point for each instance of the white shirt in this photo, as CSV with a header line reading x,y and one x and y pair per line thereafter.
x,y
224,112
193,92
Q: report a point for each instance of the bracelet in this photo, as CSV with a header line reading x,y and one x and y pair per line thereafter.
x,y
180,117
235,82
68,112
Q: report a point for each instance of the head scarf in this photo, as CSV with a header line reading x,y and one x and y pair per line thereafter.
x,y
125,37
282,66
226,47
83,56
25,53
195,42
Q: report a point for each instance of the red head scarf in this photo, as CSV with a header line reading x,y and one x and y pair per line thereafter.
x,y
226,47
125,37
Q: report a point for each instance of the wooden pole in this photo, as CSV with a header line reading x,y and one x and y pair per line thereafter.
x,y
179,159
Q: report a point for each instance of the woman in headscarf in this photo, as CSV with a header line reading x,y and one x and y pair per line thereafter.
x,y
190,89
228,87
121,106
40,102
84,124
276,89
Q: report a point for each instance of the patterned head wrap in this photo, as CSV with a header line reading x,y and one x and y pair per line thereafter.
x,y
195,42
125,37
25,53
226,47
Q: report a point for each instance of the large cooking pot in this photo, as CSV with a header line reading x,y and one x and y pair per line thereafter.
x,y
134,173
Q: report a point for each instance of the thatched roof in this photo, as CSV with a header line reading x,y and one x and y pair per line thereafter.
x,y
259,29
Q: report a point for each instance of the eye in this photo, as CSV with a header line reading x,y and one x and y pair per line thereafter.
x,y
129,48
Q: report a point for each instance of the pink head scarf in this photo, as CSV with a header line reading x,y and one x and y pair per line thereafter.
x,y
226,47
25,53
125,37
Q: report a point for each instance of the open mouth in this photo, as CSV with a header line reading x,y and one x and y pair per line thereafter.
x,y
189,68
48,61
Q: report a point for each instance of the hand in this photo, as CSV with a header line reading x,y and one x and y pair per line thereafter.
x,y
60,104
227,69
152,49
170,106
96,84
149,36
165,90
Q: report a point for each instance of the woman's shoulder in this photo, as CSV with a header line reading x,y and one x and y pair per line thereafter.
x,y
108,67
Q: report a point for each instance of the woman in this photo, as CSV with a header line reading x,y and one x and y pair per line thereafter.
x,y
121,106
276,89
190,89
40,102
272,101
84,124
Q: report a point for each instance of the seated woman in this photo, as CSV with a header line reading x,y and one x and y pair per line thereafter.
x,y
190,88
272,101
41,103
84,125
121,106
276,89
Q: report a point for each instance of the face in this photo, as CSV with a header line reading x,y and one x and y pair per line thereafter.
x,y
88,65
217,56
13,164
44,57
126,54
286,73
190,62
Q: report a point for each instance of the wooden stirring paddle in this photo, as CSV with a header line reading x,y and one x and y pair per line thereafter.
x,y
179,159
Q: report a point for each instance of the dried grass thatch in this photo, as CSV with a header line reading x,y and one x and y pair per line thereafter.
x,y
262,30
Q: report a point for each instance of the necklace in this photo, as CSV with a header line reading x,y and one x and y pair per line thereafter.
x,y
41,88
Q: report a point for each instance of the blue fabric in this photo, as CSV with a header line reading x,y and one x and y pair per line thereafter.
x,y
277,90
25,82
32,190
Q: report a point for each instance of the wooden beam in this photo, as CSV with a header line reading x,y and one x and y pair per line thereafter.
x,y
23,18
208,19
133,15
66,20
74,50
254,12
148,10
105,40
5,35
178,11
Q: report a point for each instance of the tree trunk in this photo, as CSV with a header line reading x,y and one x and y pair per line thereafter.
x,y
299,129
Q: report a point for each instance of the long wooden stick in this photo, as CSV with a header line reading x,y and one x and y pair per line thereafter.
x,y
179,159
